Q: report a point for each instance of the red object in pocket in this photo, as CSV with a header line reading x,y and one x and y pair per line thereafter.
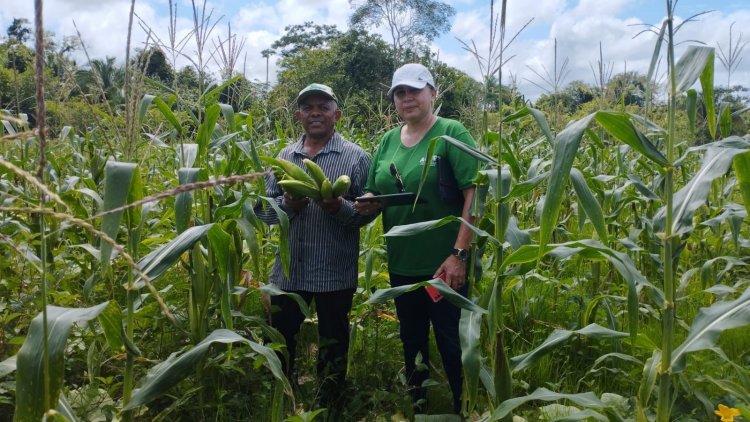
x,y
432,292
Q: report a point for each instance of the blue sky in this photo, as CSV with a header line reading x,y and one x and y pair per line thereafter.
x,y
577,25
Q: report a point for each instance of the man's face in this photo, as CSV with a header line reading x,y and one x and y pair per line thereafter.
x,y
318,116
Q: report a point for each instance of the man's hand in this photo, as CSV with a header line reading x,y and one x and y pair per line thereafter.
x,y
295,204
331,206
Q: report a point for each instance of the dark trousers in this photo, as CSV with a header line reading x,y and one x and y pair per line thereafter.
x,y
333,332
416,311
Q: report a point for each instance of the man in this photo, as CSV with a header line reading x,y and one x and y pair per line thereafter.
x,y
323,239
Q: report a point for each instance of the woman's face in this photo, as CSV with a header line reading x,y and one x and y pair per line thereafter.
x,y
413,104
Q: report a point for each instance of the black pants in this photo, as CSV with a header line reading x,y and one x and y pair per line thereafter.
x,y
333,332
415,312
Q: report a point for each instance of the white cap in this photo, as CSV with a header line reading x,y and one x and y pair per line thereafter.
x,y
411,74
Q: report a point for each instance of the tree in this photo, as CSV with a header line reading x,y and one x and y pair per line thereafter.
x,y
412,23
104,80
154,64
18,31
303,37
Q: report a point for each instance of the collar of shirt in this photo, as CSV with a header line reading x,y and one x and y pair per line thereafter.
x,y
334,144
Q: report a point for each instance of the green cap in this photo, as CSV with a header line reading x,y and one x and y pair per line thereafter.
x,y
319,89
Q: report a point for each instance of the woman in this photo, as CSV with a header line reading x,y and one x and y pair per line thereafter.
x,y
442,252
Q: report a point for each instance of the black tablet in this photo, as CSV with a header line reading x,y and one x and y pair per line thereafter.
x,y
392,199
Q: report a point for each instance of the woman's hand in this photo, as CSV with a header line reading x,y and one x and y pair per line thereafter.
x,y
454,272
367,208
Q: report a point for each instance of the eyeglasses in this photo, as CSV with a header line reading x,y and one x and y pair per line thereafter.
x,y
397,176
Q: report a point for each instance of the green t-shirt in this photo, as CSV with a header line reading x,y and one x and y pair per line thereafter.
x,y
423,253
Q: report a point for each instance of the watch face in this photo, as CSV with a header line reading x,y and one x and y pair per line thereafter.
x,y
462,254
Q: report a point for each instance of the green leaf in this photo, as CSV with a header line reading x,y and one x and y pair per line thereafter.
x,y
416,228
715,163
590,204
470,333
187,154
741,164
221,245
143,107
565,150
30,374
556,339
655,58
206,130
166,111
283,234
648,380
587,399
117,180
163,376
211,96
725,120
620,126
183,202
7,366
384,295
228,113
692,108
692,65
709,324
273,290
707,84
473,152
162,258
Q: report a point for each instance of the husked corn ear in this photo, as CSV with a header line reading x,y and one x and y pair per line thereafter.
x,y
298,189
326,189
316,172
341,185
294,171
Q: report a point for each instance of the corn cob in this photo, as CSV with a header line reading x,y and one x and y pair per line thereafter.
x,y
298,188
316,172
341,185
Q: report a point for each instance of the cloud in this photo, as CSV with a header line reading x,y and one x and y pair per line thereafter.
x,y
579,26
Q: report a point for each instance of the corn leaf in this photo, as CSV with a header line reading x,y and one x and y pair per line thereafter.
x,y
705,55
272,290
741,164
117,181
692,65
162,258
384,295
725,120
206,130
228,113
7,366
187,154
469,333
715,163
30,374
163,376
558,337
221,243
283,234
590,205
183,202
588,400
709,324
415,228
691,108
565,150
620,126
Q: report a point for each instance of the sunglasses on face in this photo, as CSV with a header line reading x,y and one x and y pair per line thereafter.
x,y
397,176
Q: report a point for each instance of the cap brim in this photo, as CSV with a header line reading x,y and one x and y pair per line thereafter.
x,y
413,84
306,94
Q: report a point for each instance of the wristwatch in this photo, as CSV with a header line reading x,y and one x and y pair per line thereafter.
x,y
462,254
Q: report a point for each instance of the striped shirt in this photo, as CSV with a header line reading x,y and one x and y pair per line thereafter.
x,y
324,248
